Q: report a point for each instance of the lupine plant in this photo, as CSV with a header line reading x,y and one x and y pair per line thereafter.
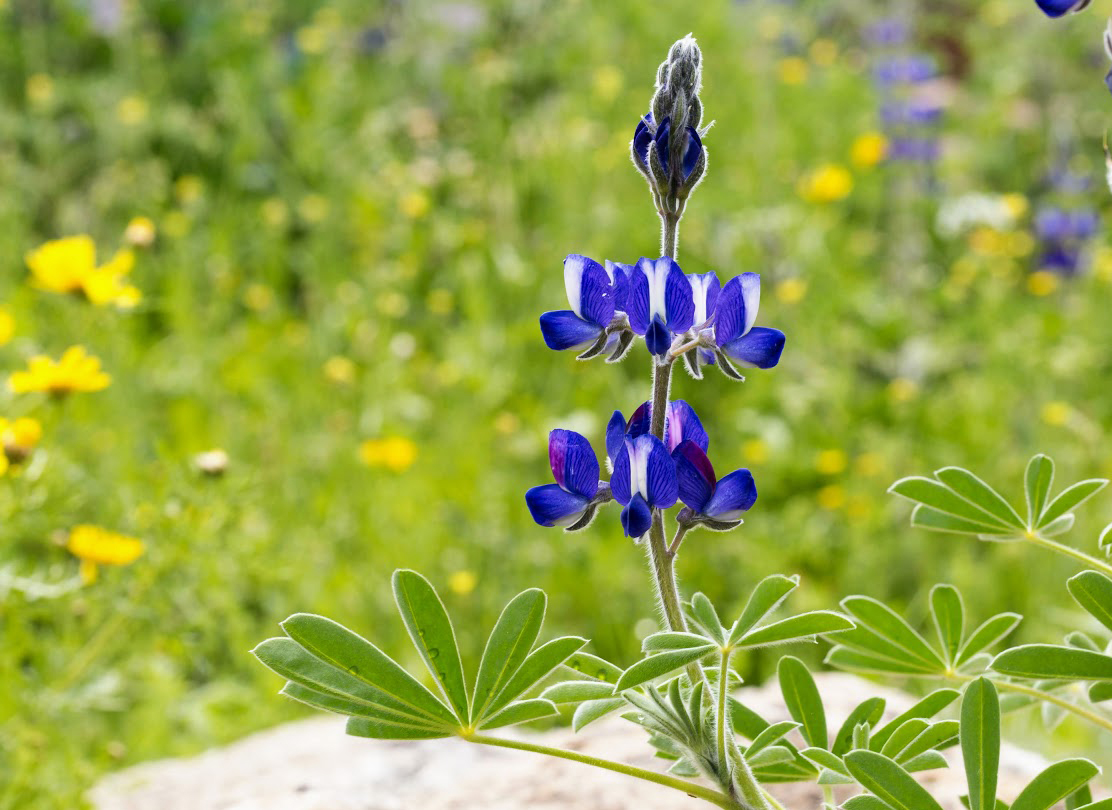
x,y
682,692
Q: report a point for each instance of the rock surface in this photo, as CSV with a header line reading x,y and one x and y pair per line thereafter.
x,y
313,765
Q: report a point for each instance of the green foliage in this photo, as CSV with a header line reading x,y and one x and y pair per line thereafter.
x,y
331,668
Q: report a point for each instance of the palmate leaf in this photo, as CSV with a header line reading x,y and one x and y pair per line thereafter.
x,y
941,498
1093,591
883,633
331,668
888,781
980,742
1052,662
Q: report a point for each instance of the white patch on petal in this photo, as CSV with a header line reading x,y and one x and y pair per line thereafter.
x,y
751,294
639,466
658,280
700,286
573,282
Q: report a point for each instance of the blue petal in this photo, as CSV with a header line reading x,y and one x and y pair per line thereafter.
x,y
619,479
760,348
737,307
694,475
573,461
705,289
552,506
735,494
658,338
564,329
707,356
637,302
588,288
681,424
636,517
662,142
641,421
679,303
615,435
642,139
660,475
621,275
1059,8
692,153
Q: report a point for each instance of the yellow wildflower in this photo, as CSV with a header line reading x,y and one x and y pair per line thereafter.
x,y
77,370
462,582
830,462
823,52
140,232
19,437
755,451
69,265
868,150
832,497
828,183
1042,282
7,326
339,369
902,389
132,110
791,290
793,70
40,89
415,205
1016,204
394,453
1056,413
313,208
96,546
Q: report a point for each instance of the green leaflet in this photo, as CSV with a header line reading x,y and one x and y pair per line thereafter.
x,y
1051,662
768,594
980,742
509,644
803,700
1037,481
868,712
1093,591
668,640
1054,784
536,666
592,710
928,707
990,632
704,614
432,634
594,667
656,666
939,497
1070,498
927,517
382,730
888,624
889,782
797,628
948,615
973,489
520,712
577,691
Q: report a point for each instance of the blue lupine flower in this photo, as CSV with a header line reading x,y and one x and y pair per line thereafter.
x,y
620,275
717,501
1059,8
705,288
591,295
734,332
660,303
576,470
681,424
1053,223
643,139
644,479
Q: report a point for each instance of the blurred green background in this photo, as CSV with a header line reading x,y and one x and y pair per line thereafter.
x,y
361,209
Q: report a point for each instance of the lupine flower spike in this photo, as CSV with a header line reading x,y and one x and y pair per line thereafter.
x,y
575,497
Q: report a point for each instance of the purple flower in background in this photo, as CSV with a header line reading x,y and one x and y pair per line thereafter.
x,y
575,468
717,503
1059,8
660,303
647,135
644,479
591,295
681,424
736,336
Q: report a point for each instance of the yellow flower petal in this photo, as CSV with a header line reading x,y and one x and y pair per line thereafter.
x,y
97,545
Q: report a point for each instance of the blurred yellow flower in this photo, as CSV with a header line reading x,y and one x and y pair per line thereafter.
x,y
258,297
440,302
189,188
868,150
793,70
823,52
831,462
394,453
68,265
313,208
40,89
132,110
19,438
902,389
832,497
791,290
96,546
415,205
77,370
339,369
755,451
1042,282
140,232
7,326
869,464
1016,204
462,582
825,184
607,83
275,213
1056,413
